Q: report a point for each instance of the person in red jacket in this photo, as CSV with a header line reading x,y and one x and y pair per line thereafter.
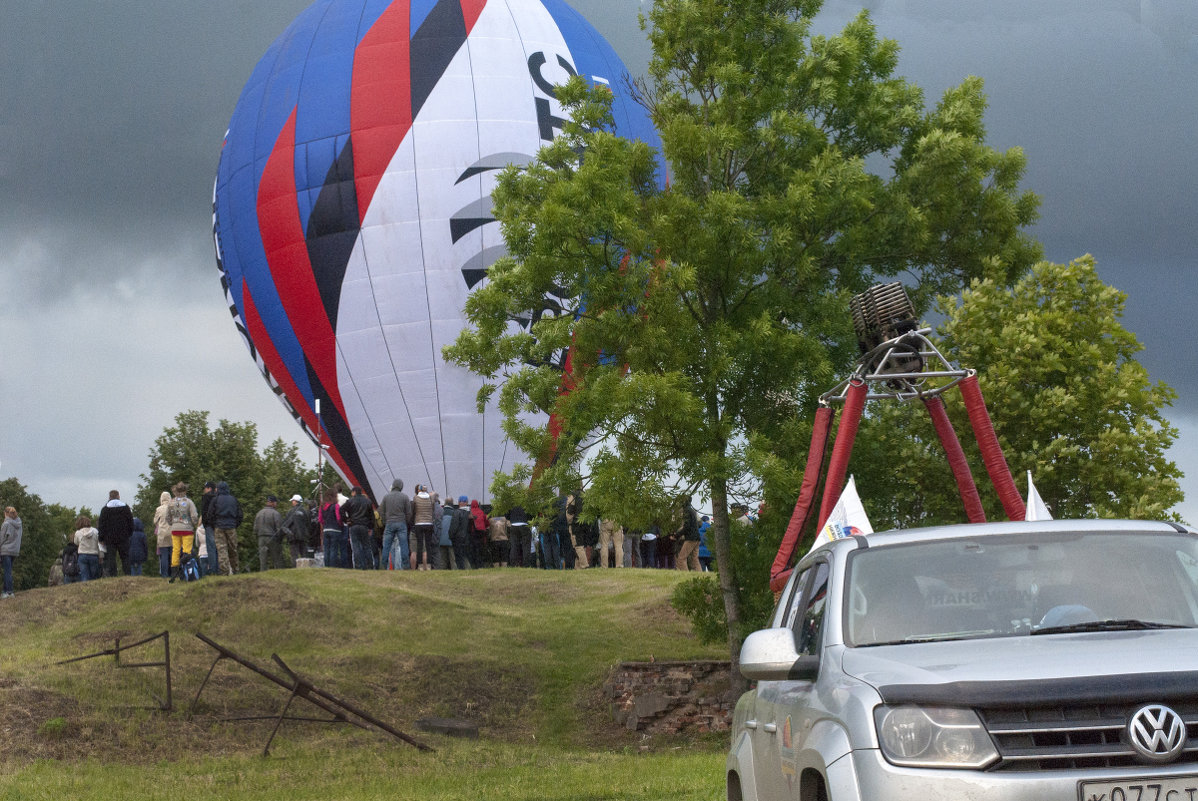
x,y
479,552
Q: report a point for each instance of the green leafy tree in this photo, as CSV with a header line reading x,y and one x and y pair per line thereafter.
x,y
1069,401
192,451
707,314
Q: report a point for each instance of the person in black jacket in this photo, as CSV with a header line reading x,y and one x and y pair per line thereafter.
x,y
226,517
459,532
116,528
520,538
358,514
296,527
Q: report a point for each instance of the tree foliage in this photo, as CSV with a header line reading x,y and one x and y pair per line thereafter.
x,y
44,531
194,452
707,313
1069,401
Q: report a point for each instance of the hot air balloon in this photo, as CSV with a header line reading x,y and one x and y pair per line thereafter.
x,y
352,215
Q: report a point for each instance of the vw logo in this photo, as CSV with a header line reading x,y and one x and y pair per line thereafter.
x,y
1157,733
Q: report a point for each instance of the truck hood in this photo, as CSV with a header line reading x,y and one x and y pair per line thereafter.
x,y
1045,669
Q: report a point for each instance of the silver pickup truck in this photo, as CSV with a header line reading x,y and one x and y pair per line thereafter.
x,y
1042,661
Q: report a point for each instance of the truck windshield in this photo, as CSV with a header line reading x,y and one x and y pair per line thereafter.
x,y
1004,586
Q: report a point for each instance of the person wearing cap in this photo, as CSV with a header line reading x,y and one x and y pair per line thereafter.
x,y
296,526
268,527
459,532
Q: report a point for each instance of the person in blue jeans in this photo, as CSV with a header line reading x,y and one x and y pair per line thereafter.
x,y
208,567
395,512
10,546
87,538
358,515
332,531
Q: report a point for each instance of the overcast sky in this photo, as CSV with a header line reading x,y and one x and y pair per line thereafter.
x,y
112,316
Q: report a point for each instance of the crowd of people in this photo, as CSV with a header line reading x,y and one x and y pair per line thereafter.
x,y
417,532
423,532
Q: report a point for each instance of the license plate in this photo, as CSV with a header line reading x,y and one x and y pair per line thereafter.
x,y
1176,788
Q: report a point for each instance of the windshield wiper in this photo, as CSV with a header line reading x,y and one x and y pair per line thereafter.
x,y
969,635
1129,624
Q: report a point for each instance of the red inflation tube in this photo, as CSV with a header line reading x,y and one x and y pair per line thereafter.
x,y
956,459
846,433
780,571
992,455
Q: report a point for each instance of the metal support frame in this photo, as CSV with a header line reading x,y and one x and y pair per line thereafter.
x,y
164,704
886,370
907,367
300,687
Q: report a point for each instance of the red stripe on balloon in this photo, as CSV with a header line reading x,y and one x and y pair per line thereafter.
x,y
471,9
279,372
380,99
287,255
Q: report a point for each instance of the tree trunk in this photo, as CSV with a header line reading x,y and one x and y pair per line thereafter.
x,y
722,547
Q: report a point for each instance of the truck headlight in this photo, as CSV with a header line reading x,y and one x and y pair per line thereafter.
x,y
933,737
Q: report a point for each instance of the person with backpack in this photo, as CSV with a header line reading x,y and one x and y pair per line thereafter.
x,y
183,517
68,561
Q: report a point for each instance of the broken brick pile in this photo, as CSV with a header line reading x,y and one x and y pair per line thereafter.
x,y
671,697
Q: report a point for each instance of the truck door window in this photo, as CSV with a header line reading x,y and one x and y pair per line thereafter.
x,y
811,623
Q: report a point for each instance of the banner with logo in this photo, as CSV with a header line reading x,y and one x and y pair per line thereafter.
x,y
847,518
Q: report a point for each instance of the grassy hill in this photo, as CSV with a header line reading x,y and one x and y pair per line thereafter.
x,y
521,652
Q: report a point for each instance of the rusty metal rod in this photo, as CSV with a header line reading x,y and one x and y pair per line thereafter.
x,y
113,651
226,653
350,707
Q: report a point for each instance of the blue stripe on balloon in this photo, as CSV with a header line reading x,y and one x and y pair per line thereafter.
x,y
420,11
324,99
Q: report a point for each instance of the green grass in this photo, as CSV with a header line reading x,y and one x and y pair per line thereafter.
x,y
458,771
521,652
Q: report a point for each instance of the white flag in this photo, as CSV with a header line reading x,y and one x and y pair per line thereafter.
x,y
1036,510
847,518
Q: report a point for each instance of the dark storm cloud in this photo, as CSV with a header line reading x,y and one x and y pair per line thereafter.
x,y
113,114
1102,97
116,111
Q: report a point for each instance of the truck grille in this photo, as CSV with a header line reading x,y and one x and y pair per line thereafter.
x,y
1076,736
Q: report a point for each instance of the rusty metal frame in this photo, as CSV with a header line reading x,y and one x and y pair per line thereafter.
x,y
164,705
301,687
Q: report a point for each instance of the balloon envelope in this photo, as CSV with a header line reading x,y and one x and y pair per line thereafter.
x,y
352,215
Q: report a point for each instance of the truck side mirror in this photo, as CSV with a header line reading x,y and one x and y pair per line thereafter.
x,y
770,655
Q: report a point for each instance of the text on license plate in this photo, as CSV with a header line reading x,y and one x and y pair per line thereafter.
x,y
1177,788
